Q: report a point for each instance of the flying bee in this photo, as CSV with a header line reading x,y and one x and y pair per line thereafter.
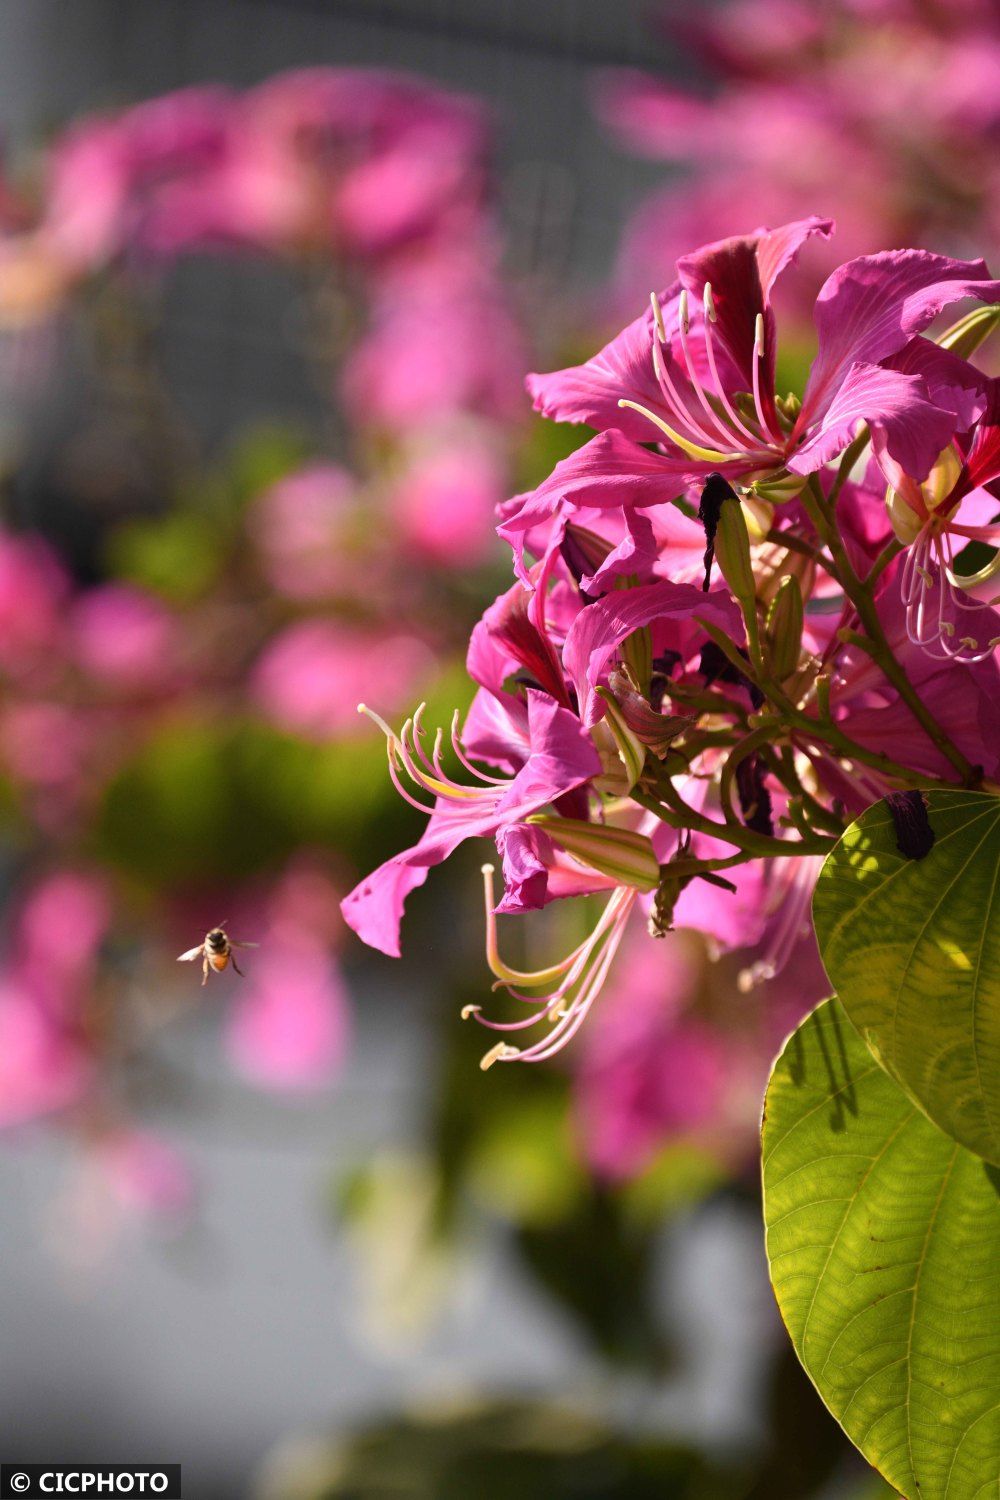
x,y
215,953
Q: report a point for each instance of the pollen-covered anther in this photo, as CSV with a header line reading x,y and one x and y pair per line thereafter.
x,y
468,1011
758,335
658,317
500,1053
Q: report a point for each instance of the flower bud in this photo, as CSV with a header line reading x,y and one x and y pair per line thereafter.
x,y
655,730
624,856
784,628
630,748
732,553
779,488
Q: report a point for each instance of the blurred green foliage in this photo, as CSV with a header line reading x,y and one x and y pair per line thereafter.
x,y
507,1451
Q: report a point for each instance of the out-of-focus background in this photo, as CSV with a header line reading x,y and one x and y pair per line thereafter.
x,y
271,273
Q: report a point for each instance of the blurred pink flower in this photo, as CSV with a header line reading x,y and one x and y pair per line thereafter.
x,y
33,590
62,923
311,678
123,637
146,1173
441,340
49,748
290,1030
649,1073
445,501
43,1065
290,1026
103,170
301,525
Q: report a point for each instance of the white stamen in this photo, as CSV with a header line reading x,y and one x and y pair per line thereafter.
x,y
658,317
500,1053
709,304
683,316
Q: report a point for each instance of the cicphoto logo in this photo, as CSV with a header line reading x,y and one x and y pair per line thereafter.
x,y
28,1481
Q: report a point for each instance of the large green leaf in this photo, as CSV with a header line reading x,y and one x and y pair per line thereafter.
x,y
912,948
883,1237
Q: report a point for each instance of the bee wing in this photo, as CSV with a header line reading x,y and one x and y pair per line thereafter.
x,y
185,958
243,945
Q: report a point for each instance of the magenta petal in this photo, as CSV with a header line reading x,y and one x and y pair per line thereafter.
x,y
599,630
952,383
590,392
562,758
983,461
869,308
635,554
742,271
904,423
608,471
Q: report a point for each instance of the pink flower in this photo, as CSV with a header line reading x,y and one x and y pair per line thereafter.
x,y
45,1060
310,678
302,525
290,1029
441,340
147,1174
678,376
123,637
33,591
44,1066
560,758
290,1023
649,1073
445,500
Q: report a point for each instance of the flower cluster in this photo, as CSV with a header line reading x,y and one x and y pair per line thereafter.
x,y
247,618
884,111
738,617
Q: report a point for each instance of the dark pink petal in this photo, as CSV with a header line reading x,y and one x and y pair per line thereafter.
x,y
634,555
600,629
904,423
608,472
536,872
509,622
952,383
982,465
742,271
870,307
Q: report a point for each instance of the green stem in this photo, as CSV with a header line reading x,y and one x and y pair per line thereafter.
x,y
859,594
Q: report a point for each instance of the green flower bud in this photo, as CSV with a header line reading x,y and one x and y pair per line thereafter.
x,y
624,856
784,628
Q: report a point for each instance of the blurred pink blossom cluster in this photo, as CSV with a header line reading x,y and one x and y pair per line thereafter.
x,y
377,190
885,111
376,181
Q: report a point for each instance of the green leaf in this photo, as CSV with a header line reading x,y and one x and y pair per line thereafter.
x,y
883,1237
912,948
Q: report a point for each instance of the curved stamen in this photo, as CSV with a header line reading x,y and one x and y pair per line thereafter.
x,y
463,760
758,405
674,400
567,1006
708,455
756,439
530,979
684,324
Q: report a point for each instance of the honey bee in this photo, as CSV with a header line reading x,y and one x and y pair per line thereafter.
x,y
215,952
